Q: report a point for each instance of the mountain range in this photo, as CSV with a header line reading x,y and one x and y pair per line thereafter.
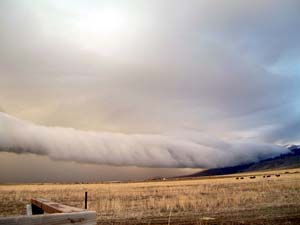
x,y
283,161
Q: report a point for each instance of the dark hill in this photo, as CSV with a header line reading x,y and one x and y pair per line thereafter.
x,y
284,161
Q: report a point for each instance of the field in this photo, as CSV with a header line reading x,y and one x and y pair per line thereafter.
x,y
212,200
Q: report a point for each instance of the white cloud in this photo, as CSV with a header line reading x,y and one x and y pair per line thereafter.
x,y
179,149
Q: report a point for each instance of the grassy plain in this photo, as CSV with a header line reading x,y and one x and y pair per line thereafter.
x,y
210,200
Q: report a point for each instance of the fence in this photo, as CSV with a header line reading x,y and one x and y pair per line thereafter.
x,y
47,212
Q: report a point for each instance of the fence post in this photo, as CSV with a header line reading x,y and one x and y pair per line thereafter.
x,y
85,200
28,210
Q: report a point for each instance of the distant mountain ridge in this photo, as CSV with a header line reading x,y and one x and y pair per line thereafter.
x,y
284,161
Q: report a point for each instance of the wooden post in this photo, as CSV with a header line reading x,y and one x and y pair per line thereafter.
x,y
85,200
28,210
76,218
55,213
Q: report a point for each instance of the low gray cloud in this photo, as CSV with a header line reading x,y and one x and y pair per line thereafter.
x,y
177,149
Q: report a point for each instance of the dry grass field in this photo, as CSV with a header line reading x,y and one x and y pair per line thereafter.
x,y
214,200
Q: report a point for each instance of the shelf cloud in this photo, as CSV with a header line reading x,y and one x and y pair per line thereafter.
x,y
174,150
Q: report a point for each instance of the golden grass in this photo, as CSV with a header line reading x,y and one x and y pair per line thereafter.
x,y
154,199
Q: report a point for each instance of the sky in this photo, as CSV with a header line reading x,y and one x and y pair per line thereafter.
x,y
118,90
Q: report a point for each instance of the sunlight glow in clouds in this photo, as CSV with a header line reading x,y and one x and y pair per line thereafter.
x,y
108,29
109,21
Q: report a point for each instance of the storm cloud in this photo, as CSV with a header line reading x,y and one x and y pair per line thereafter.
x,y
137,71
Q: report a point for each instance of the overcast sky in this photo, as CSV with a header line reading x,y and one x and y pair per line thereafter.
x,y
173,84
